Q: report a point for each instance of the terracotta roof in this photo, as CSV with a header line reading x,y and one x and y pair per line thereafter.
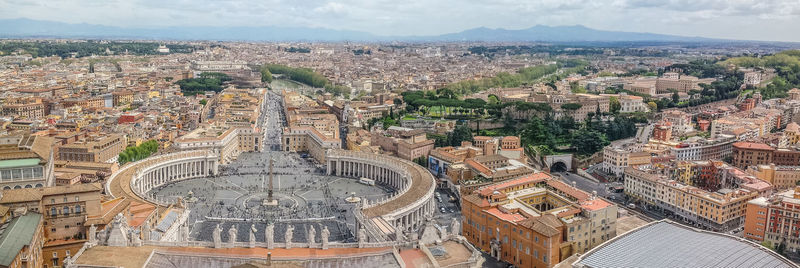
x,y
477,166
535,177
569,190
793,127
475,199
752,146
510,217
36,194
595,204
543,225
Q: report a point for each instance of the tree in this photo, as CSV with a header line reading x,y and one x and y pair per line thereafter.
x,y
203,102
653,106
266,75
614,105
460,133
571,106
675,97
587,142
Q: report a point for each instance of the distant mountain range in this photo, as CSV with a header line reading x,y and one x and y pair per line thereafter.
x,y
27,28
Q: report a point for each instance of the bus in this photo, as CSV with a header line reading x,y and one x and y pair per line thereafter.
x,y
366,181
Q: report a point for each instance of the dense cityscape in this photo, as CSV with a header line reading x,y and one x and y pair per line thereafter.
x,y
155,153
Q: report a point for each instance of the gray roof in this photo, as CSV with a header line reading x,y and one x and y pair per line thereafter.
x,y
669,244
16,234
168,220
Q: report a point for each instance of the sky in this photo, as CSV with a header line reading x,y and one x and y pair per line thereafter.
x,y
767,20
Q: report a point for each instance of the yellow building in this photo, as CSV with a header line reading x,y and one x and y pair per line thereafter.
x,y
721,210
781,177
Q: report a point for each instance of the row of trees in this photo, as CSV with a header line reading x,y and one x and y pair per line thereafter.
x,y
88,48
305,76
524,75
302,75
136,153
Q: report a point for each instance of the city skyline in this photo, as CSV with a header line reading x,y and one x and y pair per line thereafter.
x,y
739,20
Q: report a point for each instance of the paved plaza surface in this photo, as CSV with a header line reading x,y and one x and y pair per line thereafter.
x,y
305,195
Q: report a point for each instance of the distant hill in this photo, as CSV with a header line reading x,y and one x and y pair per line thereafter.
x,y
26,28
560,34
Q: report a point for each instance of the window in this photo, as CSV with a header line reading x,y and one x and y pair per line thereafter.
x,y
55,254
78,209
77,199
52,200
65,199
53,211
67,252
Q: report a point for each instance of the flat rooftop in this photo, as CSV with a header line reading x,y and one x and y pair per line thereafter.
x,y
668,244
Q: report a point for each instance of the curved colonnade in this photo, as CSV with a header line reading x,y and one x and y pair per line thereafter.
x,y
413,202
134,180
407,209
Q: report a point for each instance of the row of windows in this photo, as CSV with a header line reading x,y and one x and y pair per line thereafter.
x,y
66,210
18,174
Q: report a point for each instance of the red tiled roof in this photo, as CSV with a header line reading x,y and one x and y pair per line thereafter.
x,y
510,217
752,145
535,177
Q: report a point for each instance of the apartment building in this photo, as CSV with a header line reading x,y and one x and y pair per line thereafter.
x,y
617,156
719,210
102,148
781,177
311,128
753,153
774,219
698,148
536,221
28,108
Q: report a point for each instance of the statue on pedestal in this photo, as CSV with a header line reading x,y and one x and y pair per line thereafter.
x,y
398,234
146,232
312,236
455,227
232,236
288,236
135,240
362,237
269,236
92,235
216,235
324,234
252,237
